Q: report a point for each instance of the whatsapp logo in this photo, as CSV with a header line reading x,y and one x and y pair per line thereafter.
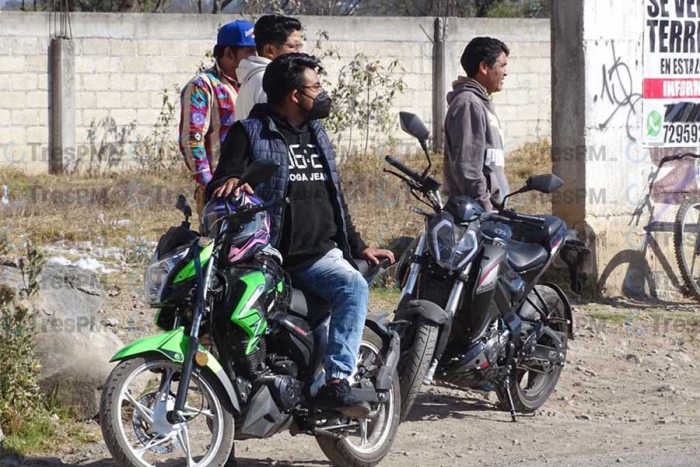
x,y
654,123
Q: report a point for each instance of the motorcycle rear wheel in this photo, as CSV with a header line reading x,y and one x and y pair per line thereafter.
x,y
530,390
379,432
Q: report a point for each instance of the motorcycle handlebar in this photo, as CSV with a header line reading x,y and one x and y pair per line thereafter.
x,y
510,216
402,168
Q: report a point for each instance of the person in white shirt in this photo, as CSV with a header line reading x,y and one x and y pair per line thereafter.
x,y
275,35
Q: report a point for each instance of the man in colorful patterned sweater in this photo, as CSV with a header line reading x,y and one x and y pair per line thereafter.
x,y
207,104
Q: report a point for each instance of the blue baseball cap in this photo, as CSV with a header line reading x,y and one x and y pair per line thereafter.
x,y
239,33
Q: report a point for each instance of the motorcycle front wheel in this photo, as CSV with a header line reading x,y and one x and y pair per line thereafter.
x,y
135,402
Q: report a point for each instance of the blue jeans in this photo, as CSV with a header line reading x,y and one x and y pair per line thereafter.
x,y
336,281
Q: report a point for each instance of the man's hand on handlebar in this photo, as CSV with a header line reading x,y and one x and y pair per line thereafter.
x,y
227,188
374,255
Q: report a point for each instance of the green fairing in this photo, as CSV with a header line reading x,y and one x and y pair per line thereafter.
x,y
171,344
188,271
251,319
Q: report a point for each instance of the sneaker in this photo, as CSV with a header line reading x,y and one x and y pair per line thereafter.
x,y
338,397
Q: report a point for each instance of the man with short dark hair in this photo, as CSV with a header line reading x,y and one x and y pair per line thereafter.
x,y
315,233
275,35
474,158
207,104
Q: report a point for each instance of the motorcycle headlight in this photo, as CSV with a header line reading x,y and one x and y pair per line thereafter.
x,y
157,274
452,245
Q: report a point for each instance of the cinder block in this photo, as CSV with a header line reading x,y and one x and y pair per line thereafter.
x,y
25,117
187,64
23,82
200,48
5,117
43,81
95,47
517,96
122,82
178,49
134,64
529,49
149,82
161,65
135,100
95,82
13,99
92,64
85,100
149,47
38,99
115,64
148,116
38,134
110,100
37,64
24,45
11,64
123,117
121,47
94,117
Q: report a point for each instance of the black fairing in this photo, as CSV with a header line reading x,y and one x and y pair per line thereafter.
x,y
463,208
174,238
295,339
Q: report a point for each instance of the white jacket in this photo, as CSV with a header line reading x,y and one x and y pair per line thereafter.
x,y
250,74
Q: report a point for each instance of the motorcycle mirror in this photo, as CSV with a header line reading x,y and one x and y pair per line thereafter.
x,y
182,206
544,183
414,126
259,171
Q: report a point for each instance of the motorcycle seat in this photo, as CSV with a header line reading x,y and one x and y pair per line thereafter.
x,y
537,234
525,256
313,308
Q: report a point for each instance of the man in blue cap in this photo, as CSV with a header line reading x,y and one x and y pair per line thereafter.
x,y
207,104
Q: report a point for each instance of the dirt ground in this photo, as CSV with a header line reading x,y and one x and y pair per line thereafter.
x,y
628,395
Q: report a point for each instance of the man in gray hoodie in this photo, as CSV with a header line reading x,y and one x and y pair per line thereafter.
x,y
275,35
474,158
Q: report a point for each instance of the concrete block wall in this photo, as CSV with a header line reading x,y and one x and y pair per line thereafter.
x,y
125,62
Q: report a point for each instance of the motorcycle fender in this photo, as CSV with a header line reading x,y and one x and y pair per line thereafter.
x,y
173,345
428,310
392,346
567,307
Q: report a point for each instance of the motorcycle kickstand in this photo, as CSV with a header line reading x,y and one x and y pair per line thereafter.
x,y
506,387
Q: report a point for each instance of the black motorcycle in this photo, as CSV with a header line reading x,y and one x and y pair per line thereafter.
x,y
473,313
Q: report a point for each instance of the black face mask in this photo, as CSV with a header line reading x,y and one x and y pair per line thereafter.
x,y
321,107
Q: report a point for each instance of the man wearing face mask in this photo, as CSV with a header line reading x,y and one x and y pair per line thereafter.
x,y
315,233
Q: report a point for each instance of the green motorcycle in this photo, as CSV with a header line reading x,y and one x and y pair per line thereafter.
x,y
241,355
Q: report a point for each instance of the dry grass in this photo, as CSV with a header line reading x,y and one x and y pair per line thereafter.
x,y
48,209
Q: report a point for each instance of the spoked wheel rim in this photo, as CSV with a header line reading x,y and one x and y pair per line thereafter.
x,y
690,244
373,432
150,439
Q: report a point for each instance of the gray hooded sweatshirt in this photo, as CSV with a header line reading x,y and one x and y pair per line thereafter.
x,y
474,157
250,74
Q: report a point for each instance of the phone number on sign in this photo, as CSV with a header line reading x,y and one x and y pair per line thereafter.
x,y
687,133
